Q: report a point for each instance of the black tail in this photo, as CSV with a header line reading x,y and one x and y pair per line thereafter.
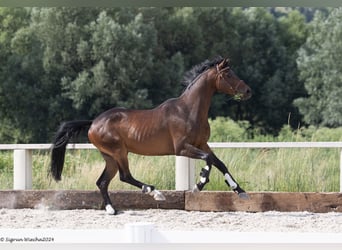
x,y
65,132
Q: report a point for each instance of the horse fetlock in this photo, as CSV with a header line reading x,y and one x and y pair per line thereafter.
x,y
146,189
110,210
205,175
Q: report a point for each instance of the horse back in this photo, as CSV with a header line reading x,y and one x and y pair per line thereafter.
x,y
143,132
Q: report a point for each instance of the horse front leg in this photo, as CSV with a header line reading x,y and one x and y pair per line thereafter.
x,y
206,154
204,179
228,177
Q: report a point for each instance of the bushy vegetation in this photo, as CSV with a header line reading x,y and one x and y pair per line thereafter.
x,y
75,63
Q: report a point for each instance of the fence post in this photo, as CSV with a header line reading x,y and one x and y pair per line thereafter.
x,y
139,232
185,173
22,172
340,170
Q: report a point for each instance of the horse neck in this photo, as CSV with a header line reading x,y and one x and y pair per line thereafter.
x,y
198,96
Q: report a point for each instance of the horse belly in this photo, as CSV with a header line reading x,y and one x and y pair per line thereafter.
x,y
151,146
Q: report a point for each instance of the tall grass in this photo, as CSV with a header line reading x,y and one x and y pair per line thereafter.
x,y
83,167
299,170
292,170
6,170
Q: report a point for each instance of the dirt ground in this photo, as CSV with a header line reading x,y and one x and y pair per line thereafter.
x,y
173,220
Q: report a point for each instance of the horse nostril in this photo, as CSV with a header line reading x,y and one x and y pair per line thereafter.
x,y
248,92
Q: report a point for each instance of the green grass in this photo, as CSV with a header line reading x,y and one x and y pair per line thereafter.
x,y
6,170
313,170
83,167
290,170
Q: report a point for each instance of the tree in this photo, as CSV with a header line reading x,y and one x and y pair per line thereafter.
x,y
116,59
258,45
74,63
20,63
177,49
319,63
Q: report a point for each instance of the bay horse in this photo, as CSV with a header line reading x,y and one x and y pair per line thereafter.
x,y
179,126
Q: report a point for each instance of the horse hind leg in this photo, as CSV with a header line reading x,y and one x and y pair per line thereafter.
x,y
126,176
152,191
103,182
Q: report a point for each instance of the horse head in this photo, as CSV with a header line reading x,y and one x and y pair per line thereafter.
x,y
229,83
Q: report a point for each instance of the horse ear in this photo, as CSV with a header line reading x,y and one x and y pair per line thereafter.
x,y
226,62
222,64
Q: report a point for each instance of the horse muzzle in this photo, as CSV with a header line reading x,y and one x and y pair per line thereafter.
x,y
243,94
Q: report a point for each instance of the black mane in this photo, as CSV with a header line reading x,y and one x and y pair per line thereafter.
x,y
192,74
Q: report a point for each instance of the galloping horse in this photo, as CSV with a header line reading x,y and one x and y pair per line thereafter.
x,y
179,126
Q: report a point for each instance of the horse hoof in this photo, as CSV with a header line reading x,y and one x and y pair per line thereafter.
x,y
195,189
110,210
157,195
243,196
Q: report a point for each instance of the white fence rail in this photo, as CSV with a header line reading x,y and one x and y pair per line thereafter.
x,y
185,175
